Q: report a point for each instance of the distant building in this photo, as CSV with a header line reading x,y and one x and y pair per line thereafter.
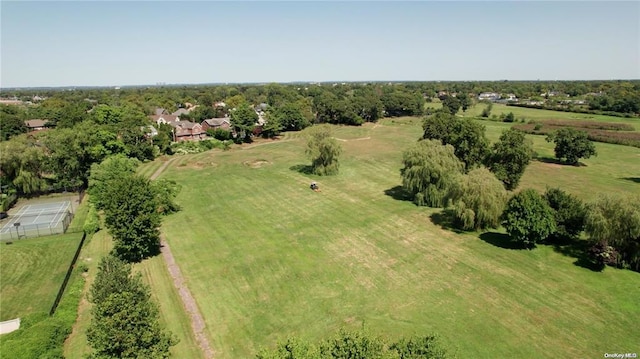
x,y
36,124
488,96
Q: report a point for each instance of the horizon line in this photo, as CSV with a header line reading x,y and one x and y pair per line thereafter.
x,y
163,84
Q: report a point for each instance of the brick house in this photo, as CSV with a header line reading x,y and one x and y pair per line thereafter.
x,y
223,123
187,131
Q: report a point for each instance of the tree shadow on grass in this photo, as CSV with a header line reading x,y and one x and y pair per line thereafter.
x,y
501,240
398,193
632,179
445,220
555,161
304,169
576,248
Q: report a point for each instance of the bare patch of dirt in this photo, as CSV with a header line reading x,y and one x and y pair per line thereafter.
x,y
190,305
256,163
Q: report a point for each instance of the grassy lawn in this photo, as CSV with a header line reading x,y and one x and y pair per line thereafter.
x,y
32,271
537,114
75,347
173,315
267,258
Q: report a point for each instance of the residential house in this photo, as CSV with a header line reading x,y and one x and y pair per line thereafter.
x,y
158,119
223,123
180,112
187,131
36,124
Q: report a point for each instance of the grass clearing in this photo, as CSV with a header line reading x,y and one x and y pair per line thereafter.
x,y
267,258
32,272
172,313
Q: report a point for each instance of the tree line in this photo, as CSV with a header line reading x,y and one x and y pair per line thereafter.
x,y
125,321
453,166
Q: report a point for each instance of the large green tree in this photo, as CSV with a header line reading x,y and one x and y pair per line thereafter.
x,y
571,145
528,218
72,151
478,199
451,104
466,136
23,162
615,221
103,173
243,120
131,216
569,213
289,116
11,122
324,150
430,170
125,322
510,156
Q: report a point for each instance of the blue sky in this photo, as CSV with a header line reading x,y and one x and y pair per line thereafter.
x,y
95,43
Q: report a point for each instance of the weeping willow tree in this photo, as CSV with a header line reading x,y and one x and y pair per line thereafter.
x,y
430,169
478,199
614,221
23,162
324,150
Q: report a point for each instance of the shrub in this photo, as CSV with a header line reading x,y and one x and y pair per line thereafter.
x,y
219,134
92,223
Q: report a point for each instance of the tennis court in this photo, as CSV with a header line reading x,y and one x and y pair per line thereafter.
x,y
35,220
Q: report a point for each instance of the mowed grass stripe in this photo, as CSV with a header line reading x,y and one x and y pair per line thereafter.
x,y
32,271
266,258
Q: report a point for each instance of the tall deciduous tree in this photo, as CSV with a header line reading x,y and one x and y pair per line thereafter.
x,y
451,104
131,215
243,119
103,173
528,218
467,137
11,122
125,322
572,145
569,213
510,157
323,150
478,199
430,170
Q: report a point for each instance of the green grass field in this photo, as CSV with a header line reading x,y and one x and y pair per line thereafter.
x,y
32,271
537,114
267,258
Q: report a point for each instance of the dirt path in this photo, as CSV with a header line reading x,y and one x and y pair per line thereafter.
x,y
197,321
164,166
